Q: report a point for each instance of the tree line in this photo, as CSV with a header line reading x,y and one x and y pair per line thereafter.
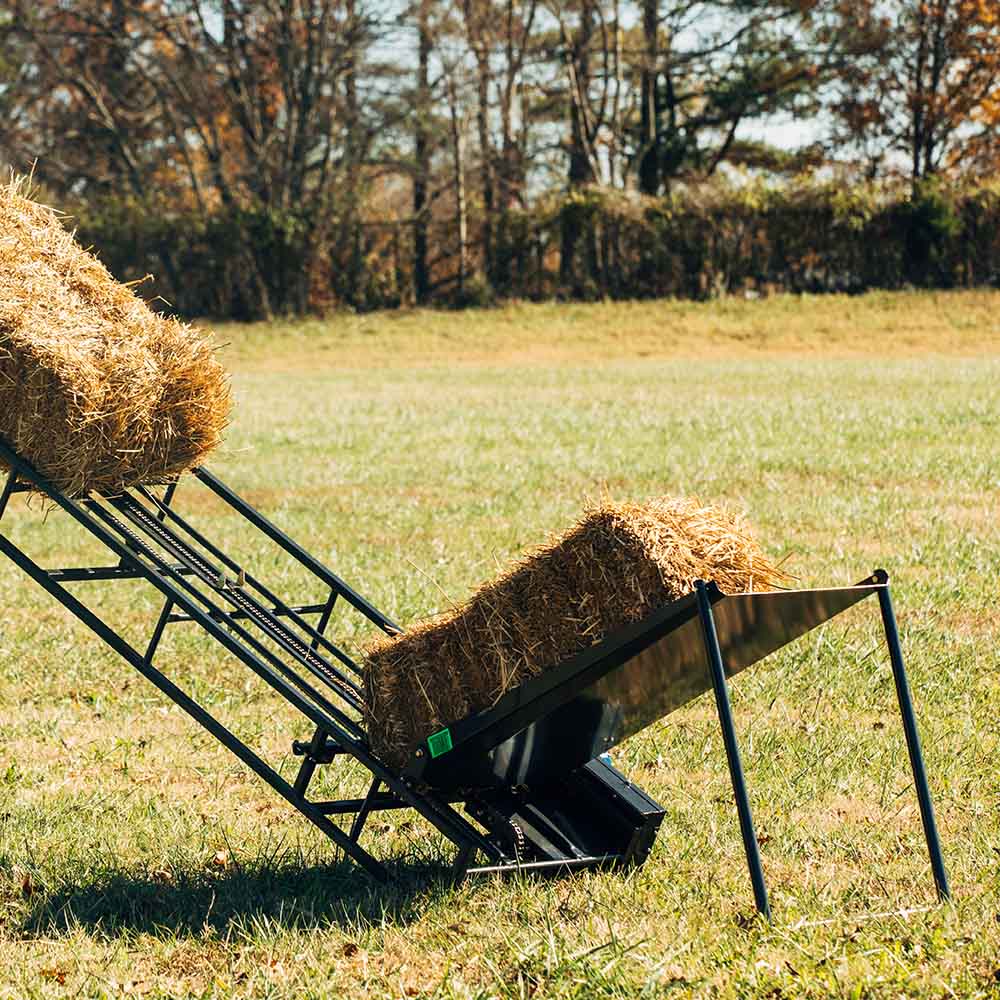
x,y
286,156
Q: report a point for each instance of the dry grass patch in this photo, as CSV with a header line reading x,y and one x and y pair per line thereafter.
x,y
896,324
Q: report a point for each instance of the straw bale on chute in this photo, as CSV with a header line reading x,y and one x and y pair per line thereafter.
x,y
617,565
97,391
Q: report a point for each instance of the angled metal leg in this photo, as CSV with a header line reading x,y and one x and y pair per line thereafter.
x,y
8,490
913,744
725,711
308,766
365,811
161,624
463,859
324,618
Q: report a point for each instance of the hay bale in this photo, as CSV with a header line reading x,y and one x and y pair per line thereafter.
x,y
97,391
617,565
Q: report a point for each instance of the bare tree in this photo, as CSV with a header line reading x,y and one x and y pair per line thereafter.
x,y
422,153
458,123
920,95
248,110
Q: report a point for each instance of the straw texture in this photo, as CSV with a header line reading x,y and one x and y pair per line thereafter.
x,y
97,391
617,565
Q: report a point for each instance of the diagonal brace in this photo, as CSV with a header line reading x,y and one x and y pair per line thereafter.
x,y
717,670
913,743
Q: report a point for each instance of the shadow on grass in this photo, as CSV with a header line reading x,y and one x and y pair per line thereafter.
x,y
286,894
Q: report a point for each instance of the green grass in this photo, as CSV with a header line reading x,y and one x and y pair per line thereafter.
x,y
136,857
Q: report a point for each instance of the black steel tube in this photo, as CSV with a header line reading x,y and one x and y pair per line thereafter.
x,y
206,620
308,766
97,573
8,491
913,743
382,801
718,672
292,548
180,698
324,618
304,775
460,866
365,811
168,499
161,624
315,634
341,807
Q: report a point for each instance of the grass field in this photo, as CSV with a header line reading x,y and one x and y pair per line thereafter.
x,y
416,454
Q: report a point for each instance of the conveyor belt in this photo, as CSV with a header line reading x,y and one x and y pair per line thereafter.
x,y
152,543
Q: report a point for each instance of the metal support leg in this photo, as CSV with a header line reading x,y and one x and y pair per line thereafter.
x,y
913,744
161,624
725,711
8,491
308,765
365,811
463,859
324,618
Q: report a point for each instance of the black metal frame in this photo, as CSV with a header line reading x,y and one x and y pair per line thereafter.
x,y
207,587
721,689
587,818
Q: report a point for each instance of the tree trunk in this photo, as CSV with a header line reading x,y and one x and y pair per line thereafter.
x,y
351,225
477,43
580,167
649,163
461,213
422,156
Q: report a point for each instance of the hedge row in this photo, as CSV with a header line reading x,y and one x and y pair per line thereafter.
x,y
699,243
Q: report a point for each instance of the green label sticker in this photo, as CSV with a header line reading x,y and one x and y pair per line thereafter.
x,y
439,742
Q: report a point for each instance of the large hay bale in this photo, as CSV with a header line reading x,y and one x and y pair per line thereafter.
x,y
97,391
617,565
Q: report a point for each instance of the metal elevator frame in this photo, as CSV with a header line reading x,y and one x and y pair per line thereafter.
x,y
199,583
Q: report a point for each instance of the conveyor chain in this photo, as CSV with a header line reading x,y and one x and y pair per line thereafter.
x,y
269,624
261,616
202,568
